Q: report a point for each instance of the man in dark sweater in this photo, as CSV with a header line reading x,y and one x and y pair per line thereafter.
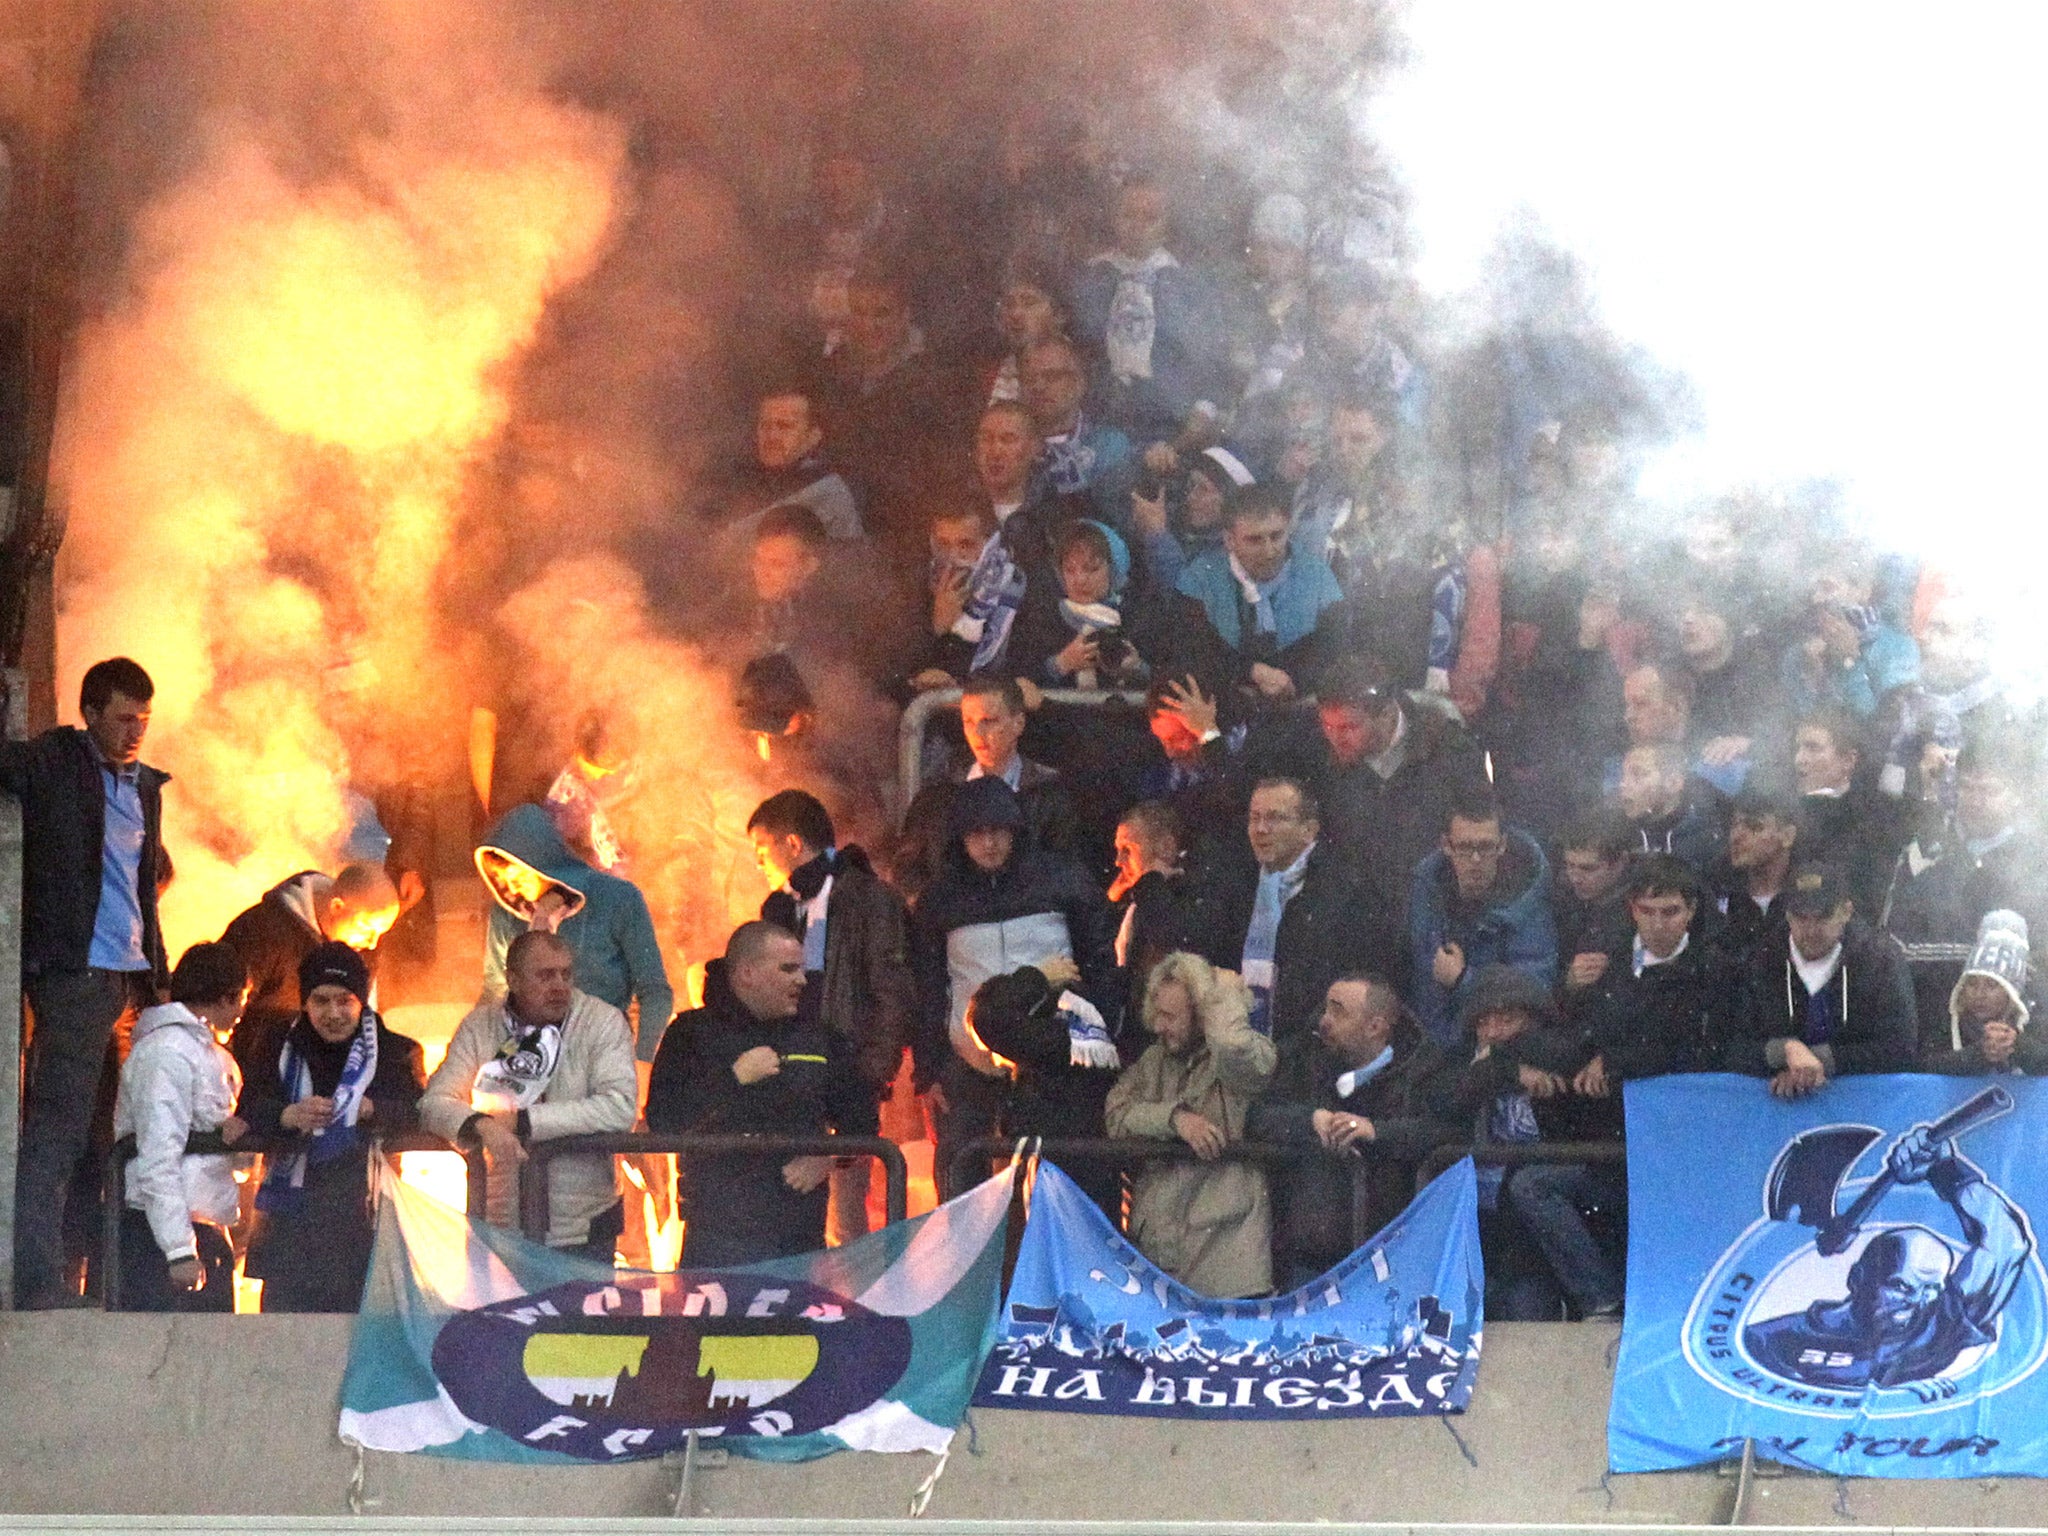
x,y
1354,1088
92,954
747,1063
316,1086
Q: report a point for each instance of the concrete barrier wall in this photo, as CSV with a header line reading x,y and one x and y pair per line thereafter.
x,y
235,1416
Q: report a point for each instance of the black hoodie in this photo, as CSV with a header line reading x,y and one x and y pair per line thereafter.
x,y
1034,881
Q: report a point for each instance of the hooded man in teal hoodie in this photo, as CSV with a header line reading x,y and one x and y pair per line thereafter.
x,y
529,870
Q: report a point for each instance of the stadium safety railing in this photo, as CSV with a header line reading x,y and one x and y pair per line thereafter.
x,y
113,1194
920,711
1517,1154
1127,1152
534,1213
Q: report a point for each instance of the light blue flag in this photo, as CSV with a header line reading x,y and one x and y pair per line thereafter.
x,y
473,1342
1092,1326
1850,1280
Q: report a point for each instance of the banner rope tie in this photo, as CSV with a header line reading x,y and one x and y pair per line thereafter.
x,y
921,1495
1464,1450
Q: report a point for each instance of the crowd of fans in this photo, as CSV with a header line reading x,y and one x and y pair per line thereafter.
x,y
1373,826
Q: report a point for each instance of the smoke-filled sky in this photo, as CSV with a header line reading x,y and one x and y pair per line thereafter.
x,y
1825,213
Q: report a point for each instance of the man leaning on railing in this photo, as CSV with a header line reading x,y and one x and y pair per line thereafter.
x,y
548,1061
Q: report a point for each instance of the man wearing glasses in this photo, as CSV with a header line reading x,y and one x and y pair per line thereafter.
x,y
1483,898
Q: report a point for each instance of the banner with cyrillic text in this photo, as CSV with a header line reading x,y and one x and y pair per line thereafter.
x,y
1849,1280
472,1342
1092,1326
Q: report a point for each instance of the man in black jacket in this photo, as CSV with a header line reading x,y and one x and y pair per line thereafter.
x,y
1986,858
858,981
91,951
1354,1088
1394,765
315,1087
1833,1000
1050,1094
746,1063
1647,1015
1295,919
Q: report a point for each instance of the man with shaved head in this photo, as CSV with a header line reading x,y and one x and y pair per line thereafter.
x,y
1916,1301
751,1062
1355,1088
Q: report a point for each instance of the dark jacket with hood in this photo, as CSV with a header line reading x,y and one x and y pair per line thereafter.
x,y
313,1255
868,994
1335,925
1048,810
1465,1089
618,957
272,937
1384,828
738,1208
1697,832
62,788
1861,833
1873,1026
1314,1226
1513,926
970,925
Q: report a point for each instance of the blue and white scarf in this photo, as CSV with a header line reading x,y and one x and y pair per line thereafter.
x,y
1262,937
1133,313
1258,596
1068,460
1088,1042
1350,1082
284,1185
995,591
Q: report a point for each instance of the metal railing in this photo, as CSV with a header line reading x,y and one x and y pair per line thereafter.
x,y
114,1198
535,1214
1133,1151
1517,1154
917,718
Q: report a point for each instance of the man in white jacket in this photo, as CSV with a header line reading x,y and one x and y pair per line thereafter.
x,y
548,1061
179,1080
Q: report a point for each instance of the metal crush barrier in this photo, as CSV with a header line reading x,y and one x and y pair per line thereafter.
x,y
1517,1154
534,1212
917,719
1129,1150
113,1196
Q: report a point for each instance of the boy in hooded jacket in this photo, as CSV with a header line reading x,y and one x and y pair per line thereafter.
x,y
536,882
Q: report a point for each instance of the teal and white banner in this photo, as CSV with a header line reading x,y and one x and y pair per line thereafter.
x,y
473,1342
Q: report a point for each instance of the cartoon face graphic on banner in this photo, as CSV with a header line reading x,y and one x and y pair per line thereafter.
x,y
1875,1296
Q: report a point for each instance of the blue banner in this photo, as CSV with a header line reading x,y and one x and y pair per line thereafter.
x,y
1851,1280
1092,1326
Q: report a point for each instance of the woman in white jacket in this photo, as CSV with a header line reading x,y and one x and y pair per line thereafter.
x,y
178,1080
